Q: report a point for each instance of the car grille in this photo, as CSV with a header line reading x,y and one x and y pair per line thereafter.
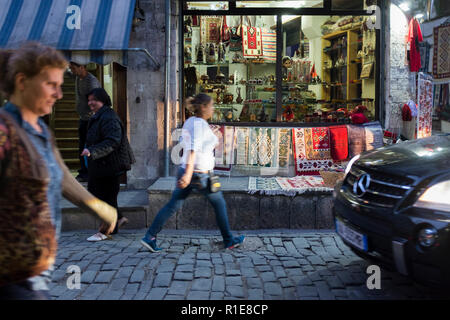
x,y
384,190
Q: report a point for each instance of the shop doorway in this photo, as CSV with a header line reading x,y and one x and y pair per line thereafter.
x,y
64,119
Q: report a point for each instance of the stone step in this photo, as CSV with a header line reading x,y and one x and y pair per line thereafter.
x,y
67,142
72,164
66,132
69,153
66,122
133,204
307,211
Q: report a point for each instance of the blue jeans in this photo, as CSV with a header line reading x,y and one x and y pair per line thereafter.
x,y
199,182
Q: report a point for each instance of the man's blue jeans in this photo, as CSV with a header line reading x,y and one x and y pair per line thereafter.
x,y
200,182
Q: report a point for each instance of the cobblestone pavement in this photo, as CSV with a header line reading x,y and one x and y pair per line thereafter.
x,y
272,264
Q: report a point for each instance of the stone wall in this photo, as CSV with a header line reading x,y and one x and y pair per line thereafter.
x,y
249,212
398,84
146,92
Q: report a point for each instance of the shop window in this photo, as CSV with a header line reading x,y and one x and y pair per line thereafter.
x,y
207,5
328,70
327,67
223,57
352,5
280,4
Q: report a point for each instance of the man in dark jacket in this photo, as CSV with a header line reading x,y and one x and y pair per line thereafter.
x,y
85,82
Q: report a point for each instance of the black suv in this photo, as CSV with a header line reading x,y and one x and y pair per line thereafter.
x,y
393,208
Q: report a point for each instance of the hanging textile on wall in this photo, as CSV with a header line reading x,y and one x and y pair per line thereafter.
x,y
339,143
414,38
441,52
251,42
304,166
269,45
356,140
262,147
242,136
210,29
374,135
441,101
284,147
219,131
425,105
223,153
424,48
317,143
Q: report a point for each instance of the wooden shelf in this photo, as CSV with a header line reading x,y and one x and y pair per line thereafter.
x,y
349,89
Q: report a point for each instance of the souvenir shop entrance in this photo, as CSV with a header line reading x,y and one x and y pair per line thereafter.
x,y
296,96
293,82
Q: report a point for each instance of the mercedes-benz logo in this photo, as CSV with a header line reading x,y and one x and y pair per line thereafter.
x,y
361,185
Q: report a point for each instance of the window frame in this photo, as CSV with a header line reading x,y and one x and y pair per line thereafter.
x,y
279,12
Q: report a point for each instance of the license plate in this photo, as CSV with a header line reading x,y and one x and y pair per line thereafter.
x,y
352,236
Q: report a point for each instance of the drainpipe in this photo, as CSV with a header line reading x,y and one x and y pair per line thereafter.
x,y
167,91
156,64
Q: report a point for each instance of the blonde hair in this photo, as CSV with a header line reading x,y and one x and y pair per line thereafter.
x,y
29,59
194,104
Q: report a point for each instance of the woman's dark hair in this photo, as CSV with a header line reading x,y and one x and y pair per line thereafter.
x,y
30,59
101,95
194,104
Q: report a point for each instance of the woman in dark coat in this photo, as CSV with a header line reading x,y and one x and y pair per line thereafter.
x,y
108,153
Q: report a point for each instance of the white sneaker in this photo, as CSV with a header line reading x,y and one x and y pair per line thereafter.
x,y
97,237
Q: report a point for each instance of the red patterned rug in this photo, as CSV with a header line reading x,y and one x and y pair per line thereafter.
x,y
317,143
304,166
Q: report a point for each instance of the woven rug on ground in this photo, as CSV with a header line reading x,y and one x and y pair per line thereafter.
x,y
374,135
262,185
425,106
262,147
304,166
301,184
251,42
269,45
356,139
339,143
210,29
441,52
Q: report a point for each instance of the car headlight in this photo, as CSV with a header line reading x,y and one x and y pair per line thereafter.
x,y
427,237
436,197
350,163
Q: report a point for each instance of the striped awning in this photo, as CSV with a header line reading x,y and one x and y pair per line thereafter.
x,y
85,30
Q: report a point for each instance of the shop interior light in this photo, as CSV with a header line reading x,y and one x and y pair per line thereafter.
x,y
418,16
404,6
